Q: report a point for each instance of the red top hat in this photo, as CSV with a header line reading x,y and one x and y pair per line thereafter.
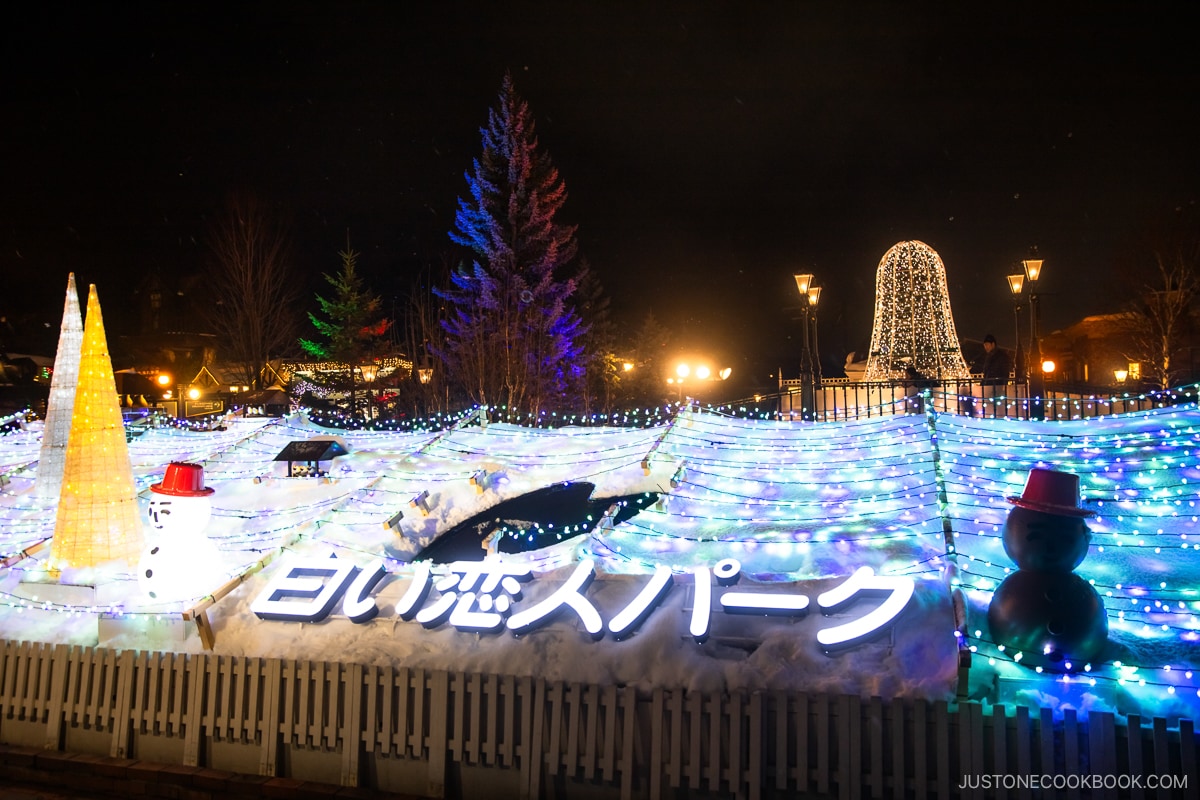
x,y
183,480
1052,492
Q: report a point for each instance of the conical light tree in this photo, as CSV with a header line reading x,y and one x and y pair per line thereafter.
x,y
62,397
914,325
97,520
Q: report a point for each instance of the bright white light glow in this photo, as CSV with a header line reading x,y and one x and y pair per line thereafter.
x,y
900,591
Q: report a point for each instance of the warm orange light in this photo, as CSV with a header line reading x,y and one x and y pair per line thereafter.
x,y
1016,283
802,283
163,379
1120,375
193,393
1048,366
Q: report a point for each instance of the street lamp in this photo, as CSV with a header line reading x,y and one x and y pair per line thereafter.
x,y
810,371
369,372
1015,284
1037,380
698,373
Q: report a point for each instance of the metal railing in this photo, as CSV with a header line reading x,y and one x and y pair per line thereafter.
x,y
843,399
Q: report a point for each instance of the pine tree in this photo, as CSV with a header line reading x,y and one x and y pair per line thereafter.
x,y
352,324
602,369
648,351
512,333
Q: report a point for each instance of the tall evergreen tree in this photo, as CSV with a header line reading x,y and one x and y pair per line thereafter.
x,y
352,323
602,369
512,334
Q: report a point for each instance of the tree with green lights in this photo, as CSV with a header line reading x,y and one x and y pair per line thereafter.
x,y
350,324
513,334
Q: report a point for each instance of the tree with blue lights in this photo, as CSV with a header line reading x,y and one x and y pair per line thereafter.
x,y
512,332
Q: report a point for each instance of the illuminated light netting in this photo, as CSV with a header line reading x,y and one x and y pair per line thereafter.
x,y
1140,473
637,417
918,495
97,519
913,321
61,403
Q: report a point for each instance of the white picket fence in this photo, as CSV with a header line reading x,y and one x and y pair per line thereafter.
x,y
551,739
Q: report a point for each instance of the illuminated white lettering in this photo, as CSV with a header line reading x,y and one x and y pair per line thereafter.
x,y
899,591
570,595
358,605
306,591
633,615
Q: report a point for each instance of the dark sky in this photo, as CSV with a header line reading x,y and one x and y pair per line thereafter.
x,y
709,150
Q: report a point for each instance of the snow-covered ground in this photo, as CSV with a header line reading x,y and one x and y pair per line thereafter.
x,y
800,507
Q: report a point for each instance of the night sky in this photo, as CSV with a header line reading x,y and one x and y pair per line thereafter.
x,y
709,152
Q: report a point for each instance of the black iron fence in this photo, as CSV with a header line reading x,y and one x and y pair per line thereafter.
x,y
843,399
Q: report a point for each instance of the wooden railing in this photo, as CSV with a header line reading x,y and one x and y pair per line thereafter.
x,y
432,732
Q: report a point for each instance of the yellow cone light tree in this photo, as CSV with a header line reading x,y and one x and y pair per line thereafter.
x,y
97,520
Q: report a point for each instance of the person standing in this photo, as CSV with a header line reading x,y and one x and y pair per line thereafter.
x,y
994,366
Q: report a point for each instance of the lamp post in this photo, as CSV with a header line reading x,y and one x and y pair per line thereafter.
x,y
1015,284
1037,380
369,372
810,373
814,297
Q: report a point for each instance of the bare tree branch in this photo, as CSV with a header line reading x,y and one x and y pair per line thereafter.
x,y
254,294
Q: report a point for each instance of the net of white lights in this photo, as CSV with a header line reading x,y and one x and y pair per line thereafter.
x,y
922,495
914,325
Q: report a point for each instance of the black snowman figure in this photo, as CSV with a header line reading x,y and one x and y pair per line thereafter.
x,y
1044,610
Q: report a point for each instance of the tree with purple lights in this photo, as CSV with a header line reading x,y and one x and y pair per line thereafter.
x,y
512,333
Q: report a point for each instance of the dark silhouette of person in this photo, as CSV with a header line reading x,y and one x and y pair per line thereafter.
x,y
993,364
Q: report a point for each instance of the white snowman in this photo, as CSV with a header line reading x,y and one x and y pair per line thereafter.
x,y
179,561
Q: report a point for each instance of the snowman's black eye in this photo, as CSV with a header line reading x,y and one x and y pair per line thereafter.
x,y
154,551
149,573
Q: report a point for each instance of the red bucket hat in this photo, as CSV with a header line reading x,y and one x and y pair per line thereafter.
x,y
1052,492
183,480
